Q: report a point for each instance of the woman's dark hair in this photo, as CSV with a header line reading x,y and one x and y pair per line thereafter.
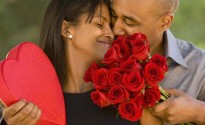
x,y
50,38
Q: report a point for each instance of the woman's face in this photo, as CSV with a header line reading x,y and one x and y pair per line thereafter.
x,y
92,40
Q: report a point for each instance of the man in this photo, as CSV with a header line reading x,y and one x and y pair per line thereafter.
x,y
186,63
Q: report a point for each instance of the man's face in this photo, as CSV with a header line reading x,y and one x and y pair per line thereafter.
x,y
132,16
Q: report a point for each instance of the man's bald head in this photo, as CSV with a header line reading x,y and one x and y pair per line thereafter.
x,y
167,6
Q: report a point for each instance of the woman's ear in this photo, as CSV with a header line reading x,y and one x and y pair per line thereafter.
x,y
67,30
166,21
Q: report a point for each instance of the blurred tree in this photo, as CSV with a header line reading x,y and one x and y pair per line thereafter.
x,y
189,22
20,20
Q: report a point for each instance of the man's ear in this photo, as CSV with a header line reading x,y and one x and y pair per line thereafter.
x,y
166,21
67,30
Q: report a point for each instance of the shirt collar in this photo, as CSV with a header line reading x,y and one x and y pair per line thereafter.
x,y
172,50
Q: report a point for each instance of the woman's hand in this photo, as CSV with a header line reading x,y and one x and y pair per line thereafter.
x,y
148,119
21,113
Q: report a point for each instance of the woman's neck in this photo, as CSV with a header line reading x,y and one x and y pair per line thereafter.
x,y
77,66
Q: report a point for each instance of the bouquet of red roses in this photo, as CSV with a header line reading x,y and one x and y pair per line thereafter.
x,y
128,77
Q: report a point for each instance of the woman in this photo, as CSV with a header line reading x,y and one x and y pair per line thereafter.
x,y
74,34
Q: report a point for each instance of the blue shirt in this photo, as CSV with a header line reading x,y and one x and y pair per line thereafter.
x,y
186,67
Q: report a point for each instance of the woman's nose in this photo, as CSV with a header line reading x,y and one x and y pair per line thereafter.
x,y
110,34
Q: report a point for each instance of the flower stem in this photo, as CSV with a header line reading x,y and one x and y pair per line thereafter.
x,y
164,93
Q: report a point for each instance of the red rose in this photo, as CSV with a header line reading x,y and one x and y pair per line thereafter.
x,y
153,74
99,78
118,94
151,97
88,74
133,81
120,39
141,50
100,99
160,61
130,65
138,97
130,111
125,47
115,77
112,57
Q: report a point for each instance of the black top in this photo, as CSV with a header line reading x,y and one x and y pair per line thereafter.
x,y
80,110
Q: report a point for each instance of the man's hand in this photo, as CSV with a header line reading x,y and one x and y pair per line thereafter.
x,y
148,119
181,108
21,113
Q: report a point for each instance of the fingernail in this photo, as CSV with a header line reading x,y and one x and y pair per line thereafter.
x,y
23,100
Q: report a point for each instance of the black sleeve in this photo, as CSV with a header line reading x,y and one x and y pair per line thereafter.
x,y
1,117
2,122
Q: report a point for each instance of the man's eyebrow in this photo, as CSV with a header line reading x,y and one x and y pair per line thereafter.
x,y
130,18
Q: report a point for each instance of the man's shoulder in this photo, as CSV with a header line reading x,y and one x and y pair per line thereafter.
x,y
178,47
191,53
188,47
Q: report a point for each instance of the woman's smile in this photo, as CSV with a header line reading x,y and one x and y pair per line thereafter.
x,y
105,43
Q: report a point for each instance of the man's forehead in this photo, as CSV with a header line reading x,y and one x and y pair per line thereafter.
x,y
133,5
138,9
135,1
129,4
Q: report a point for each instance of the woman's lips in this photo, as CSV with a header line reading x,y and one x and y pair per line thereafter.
x,y
105,44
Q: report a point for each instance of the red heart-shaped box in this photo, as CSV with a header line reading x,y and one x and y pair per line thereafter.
x,y
28,74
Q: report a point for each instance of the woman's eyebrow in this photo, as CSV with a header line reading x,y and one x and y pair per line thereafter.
x,y
101,17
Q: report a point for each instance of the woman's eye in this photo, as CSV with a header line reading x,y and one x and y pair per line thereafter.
x,y
100,25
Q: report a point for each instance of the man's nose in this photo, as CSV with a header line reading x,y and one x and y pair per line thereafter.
x,y
118,28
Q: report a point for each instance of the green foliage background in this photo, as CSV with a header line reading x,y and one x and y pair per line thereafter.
x,y
20,20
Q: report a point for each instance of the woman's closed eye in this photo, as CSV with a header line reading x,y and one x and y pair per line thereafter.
x,y
100,25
